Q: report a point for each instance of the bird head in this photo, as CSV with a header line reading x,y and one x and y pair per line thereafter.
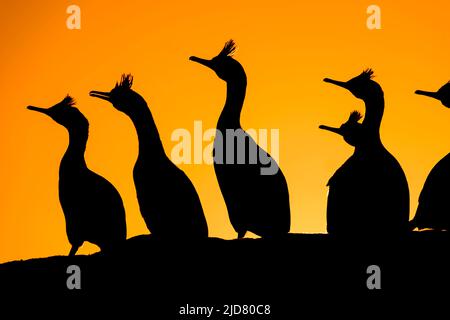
x,y
226,68
64,113
443,94
122,97
350,130
361,86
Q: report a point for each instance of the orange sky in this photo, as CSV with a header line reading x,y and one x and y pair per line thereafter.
x,y
287,47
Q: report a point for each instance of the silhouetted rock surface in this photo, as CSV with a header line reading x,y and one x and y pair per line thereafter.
x,y
287,273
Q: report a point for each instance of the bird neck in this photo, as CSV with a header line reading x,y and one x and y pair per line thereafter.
x,y
149,140
231,113
373,117
77,146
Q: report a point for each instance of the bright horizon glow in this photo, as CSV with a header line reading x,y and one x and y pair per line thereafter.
x,y
286,48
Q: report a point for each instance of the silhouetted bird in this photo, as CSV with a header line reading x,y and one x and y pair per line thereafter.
x,y
254,189
369,193
167,198
92,207
443,94
434,202
350,131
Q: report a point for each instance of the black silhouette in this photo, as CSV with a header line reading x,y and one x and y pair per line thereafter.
x,y
443,94
434,203
369,193
167,198
256,202
92,207
317,267
350,131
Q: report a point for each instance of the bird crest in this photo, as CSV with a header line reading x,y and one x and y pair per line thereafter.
x,y
229,49
125,82
68,101
367,74
355,116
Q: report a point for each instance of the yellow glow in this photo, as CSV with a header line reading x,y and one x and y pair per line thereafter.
x,y
287,47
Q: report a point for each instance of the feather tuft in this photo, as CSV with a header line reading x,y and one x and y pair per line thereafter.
x,y
229,49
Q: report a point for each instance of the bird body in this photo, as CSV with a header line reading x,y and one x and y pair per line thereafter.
x,y
255,202
433,211
369,193
87,218
253,187
92,207
168,201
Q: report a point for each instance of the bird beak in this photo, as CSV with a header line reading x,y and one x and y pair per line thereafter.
x,y
41,110
335,82
206,63
428,94
332,129
102,95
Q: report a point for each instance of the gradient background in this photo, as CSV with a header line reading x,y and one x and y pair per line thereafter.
x,y
286,47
